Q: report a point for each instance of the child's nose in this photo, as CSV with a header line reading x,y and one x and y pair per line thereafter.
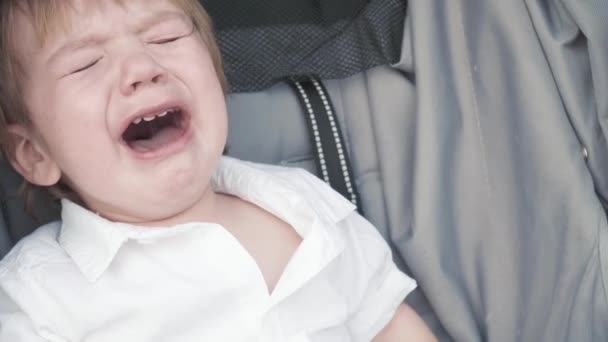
x,y
140,71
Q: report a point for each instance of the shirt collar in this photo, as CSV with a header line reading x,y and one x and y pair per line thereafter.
x,y
90,240
291,194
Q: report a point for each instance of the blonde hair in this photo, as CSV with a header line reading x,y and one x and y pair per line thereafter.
x,y
49,17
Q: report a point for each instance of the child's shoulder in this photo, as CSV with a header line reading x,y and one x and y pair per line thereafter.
x,y
292,182
38,248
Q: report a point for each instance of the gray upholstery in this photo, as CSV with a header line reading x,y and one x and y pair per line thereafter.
x,y
507,235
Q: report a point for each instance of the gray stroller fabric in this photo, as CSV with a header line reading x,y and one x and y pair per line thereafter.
x,y
507,233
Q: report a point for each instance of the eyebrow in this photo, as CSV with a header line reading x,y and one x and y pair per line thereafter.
x,y
96,39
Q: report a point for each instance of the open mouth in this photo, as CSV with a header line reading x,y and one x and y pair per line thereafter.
x,y
153,132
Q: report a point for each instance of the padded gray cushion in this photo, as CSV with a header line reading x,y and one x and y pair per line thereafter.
x,y
508,236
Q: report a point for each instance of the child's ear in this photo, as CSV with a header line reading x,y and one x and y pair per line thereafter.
x,y
31,159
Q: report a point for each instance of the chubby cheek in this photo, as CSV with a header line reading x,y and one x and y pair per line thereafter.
x,y
213,117
84,156
200,73
75,140
92,177
82,144
74,115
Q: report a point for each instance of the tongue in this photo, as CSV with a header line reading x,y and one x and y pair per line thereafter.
x,y
162,138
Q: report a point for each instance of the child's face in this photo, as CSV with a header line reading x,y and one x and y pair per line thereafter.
x,y
116,66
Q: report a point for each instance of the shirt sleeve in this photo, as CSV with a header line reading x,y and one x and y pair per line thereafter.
x,y
377,286
15,325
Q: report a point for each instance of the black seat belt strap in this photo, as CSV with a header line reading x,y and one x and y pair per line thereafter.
x,y
331,156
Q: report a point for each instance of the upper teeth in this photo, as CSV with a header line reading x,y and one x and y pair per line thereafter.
x,y
150,118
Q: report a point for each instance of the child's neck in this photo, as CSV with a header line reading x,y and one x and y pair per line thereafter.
x,y
211,207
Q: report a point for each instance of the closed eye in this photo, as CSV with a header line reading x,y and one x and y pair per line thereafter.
x,y
166,40
90,65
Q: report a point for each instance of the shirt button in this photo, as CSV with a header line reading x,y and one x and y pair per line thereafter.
x,y
585,153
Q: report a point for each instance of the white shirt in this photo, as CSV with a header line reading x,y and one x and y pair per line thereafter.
x,y
88,279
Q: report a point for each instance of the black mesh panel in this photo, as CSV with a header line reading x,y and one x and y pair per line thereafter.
x,y
264,41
